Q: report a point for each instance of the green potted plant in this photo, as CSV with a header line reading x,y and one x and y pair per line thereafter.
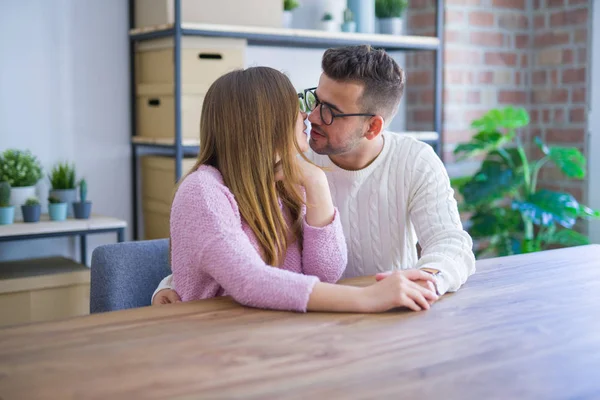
x,y
31,210
57,209
349,25
288,7
328,24
82,208
22,171
64,185
389,15
7,211
508,212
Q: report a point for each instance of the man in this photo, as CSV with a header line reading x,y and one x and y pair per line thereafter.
x,y
391,191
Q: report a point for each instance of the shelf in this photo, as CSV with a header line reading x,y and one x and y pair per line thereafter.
x,y
290,37
163,146
46,227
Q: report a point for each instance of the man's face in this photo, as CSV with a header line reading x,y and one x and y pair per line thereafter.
x,y
345,133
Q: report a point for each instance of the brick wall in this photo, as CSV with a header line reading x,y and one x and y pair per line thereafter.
x,y
529,53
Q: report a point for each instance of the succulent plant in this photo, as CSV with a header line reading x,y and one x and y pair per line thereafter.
x,y
62,176
83,191
32,201
4,194
54,200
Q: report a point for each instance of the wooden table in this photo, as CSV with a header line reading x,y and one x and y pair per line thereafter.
x,y
523,327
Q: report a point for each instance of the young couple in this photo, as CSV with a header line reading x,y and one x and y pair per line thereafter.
x,y
275,228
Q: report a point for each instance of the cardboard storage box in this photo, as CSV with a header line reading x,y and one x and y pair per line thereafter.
x,y
158,188
266,13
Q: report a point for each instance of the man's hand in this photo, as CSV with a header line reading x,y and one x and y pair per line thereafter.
x,y
427,284
166,296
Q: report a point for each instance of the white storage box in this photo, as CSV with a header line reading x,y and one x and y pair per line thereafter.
x,y
267,13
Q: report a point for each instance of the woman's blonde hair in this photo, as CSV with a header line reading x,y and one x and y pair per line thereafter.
x,y
248,119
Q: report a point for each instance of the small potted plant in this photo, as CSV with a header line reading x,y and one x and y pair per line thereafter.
x,y
389,14
349,25
64,186
22,171
328,24
82,208
7,211
288,7
31,210
57,209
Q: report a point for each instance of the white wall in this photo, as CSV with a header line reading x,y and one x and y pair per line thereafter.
x,y
594,122
64,80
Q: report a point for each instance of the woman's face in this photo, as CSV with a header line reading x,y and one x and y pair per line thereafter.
x,y
301,135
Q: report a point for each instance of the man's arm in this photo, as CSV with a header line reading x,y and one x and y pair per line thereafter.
x,y
445,245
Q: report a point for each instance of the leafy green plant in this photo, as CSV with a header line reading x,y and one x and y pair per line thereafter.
x,y
507,209
4,194
327,17
54,200
289,5
83,190
390,8
19,168
32,201
62,176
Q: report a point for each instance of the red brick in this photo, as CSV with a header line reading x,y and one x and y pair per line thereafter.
x,y
554,95
481,18
577,2
473,97
485,77
458,135
577,115
422,115
582,56
578,95
453,76
555,3
512,96
538,77
517,78
522,41
427,97
419,4
539,21
565,135
567,56
464,2
453,36
569,17
546,116
536,4
418,21
513,21
499,58
551,38
574,75
524,61
419,78
412,97
454,96
462,56
554,77
454,17
518,4
559,116
471,115
534,116
580,36
490,39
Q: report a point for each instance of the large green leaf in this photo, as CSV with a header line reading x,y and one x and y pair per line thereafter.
x,y
568,159
494,221
509,118
567,237
546,207
482,142
493,181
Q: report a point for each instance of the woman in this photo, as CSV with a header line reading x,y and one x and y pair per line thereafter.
x,y
254,219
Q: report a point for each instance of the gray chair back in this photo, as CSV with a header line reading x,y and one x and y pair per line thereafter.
x,y
124,275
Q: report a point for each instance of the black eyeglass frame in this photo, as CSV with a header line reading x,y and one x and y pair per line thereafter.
x,y
318,102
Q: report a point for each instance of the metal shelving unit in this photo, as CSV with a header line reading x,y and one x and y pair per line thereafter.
x,y
264,37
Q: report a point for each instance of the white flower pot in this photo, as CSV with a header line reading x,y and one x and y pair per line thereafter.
x,y
18,197
288,17
330,26
390,26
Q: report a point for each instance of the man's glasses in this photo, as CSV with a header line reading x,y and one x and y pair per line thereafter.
x,y
309,101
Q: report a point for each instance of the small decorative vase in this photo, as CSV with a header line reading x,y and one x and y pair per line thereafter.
x,y
390,26
68,196
57,211
329,26
31,213
288,18
364,15
7,215
349,26
82,210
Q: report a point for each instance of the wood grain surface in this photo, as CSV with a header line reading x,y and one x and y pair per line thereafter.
x,y
522,327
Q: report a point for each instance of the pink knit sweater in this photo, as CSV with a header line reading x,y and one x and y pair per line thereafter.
x,y
214,252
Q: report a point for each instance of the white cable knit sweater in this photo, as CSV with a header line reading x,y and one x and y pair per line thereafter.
x,y
402,197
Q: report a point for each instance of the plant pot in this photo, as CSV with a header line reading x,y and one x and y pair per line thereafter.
x,y
7,215
364,15
287,20
31,213
57,211
349,26
329,26
68,196
82,210
390,26
18,197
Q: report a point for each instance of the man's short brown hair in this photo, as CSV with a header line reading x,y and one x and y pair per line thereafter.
x,y
381,76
